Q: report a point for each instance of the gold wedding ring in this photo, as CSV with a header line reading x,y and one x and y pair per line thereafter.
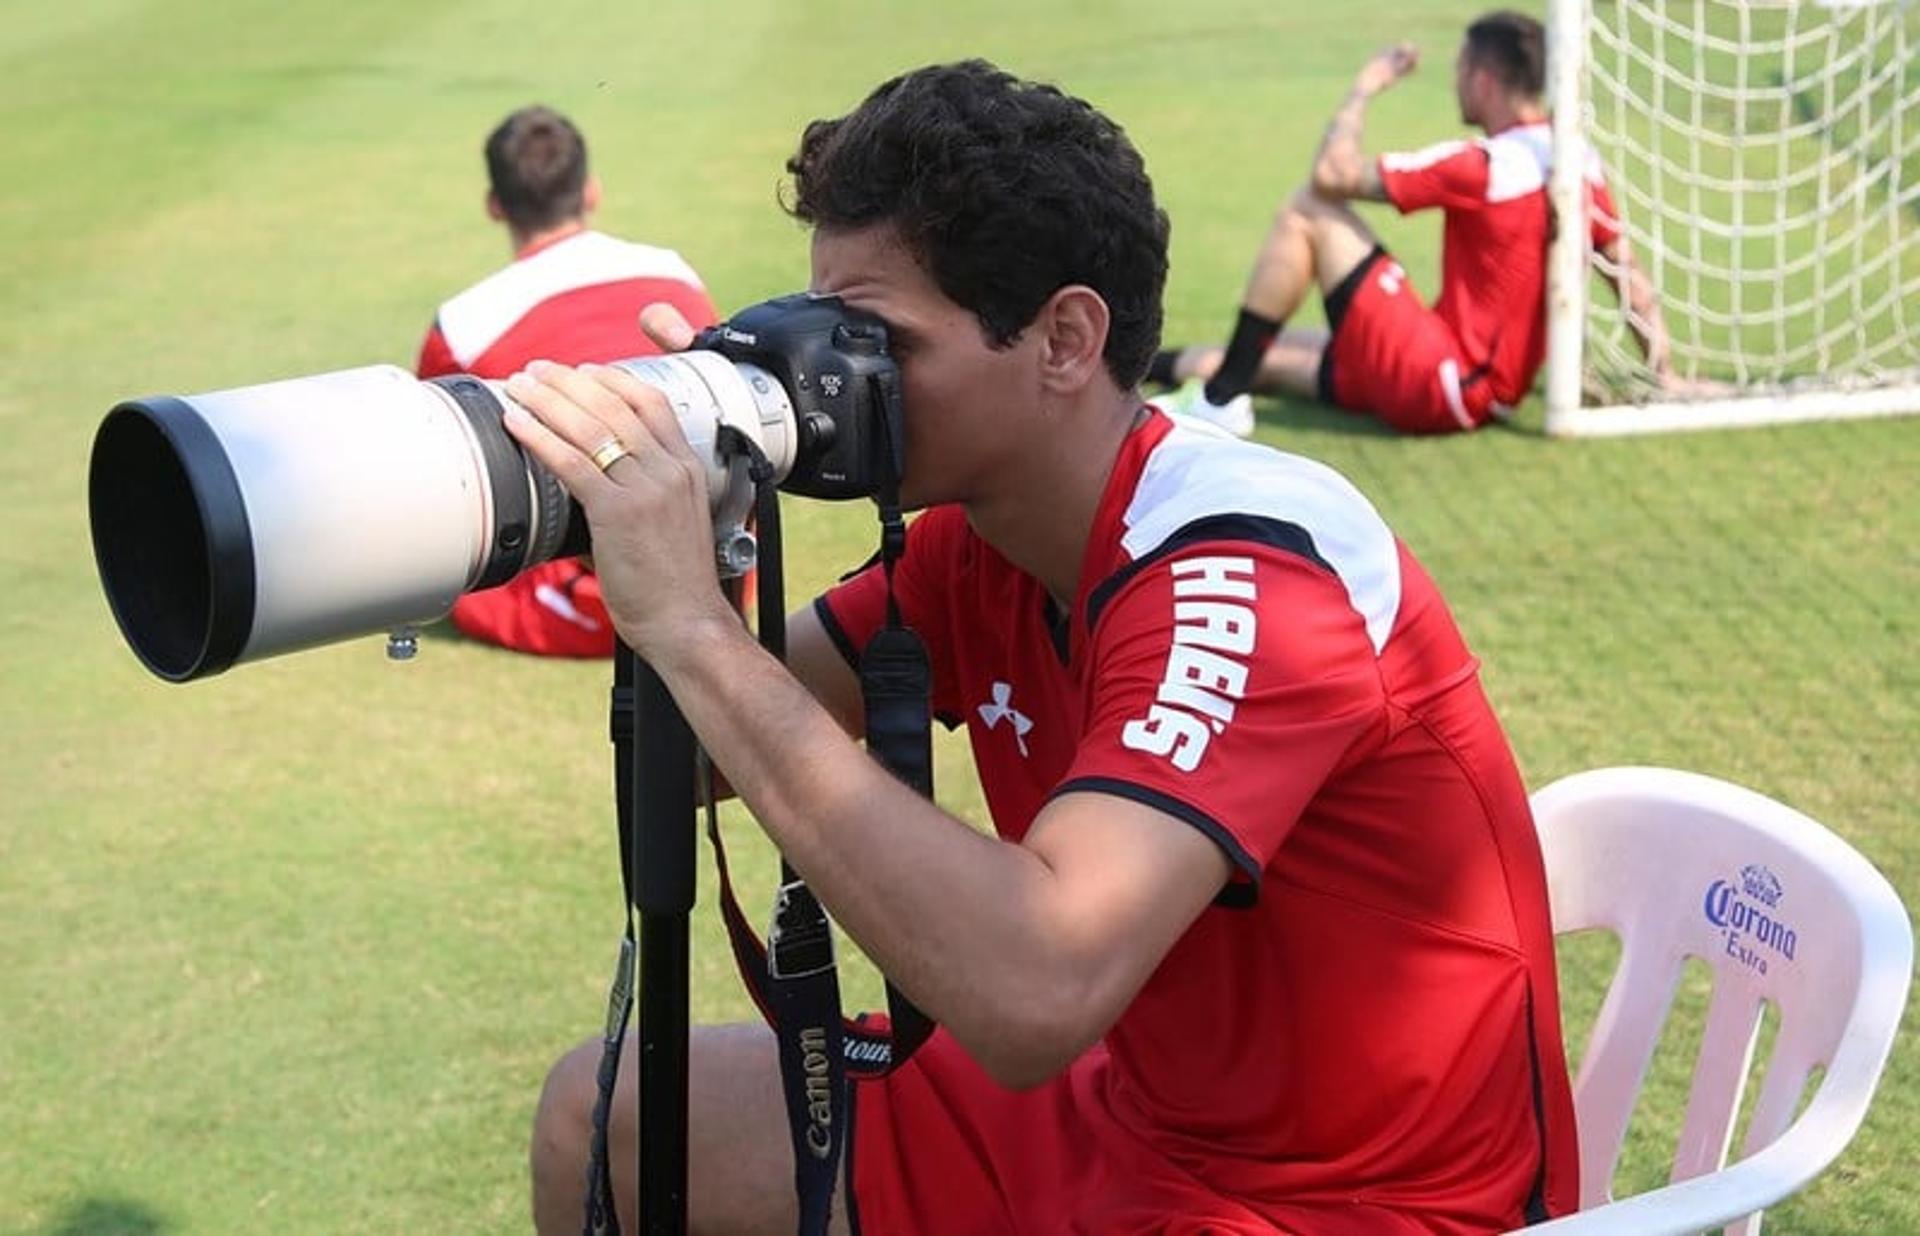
x,y
605,455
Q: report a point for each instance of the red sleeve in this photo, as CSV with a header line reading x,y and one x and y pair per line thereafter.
x,y
1603,217
938,543
1452,175
1230,684
436,358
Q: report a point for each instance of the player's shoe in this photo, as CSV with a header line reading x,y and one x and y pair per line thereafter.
x,y
1190,400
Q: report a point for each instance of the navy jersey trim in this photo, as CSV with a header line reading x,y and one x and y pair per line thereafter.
x,y
1536,1210
1234,894
872,560
836,633
1059,627
1277,534
1338,300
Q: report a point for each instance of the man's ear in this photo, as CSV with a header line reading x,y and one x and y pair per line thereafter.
x,y
1072,328
590,195
495,211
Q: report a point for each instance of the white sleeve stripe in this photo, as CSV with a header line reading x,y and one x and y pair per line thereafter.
x,y
475,319
1420,160
1193,475
1455,395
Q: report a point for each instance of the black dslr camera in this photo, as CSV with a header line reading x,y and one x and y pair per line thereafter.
x,y
833,363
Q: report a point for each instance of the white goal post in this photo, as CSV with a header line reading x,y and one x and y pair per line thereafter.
x,y
1764,158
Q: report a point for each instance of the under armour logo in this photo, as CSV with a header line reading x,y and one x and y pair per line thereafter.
x,y
1002,709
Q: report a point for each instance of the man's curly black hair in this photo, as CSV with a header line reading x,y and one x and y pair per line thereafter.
x,y
1005,191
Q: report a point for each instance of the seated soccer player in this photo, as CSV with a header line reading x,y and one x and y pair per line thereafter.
x,y
571,294
1474,354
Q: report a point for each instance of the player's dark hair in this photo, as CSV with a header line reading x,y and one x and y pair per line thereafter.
x,y
1004,191
1513,47
537,166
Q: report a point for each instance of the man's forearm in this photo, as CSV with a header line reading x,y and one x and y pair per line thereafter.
x,y
1644,318
906,880
1339,166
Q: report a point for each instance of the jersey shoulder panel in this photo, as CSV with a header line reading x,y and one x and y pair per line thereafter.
x,y
1518,161
1424,158
477,317
1197,487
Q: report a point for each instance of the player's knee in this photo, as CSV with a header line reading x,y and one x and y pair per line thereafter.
x,y
563,1121
1323,213
1308,202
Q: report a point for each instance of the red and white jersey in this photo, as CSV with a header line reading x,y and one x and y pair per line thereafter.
x,y
1369,1010
1493,264
574,300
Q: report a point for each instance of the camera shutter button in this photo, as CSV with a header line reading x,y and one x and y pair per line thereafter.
x,y
855,339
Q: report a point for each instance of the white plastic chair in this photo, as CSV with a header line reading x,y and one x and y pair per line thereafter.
x,y
1679,865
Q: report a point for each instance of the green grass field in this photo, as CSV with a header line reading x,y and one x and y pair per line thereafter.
x,y
290,950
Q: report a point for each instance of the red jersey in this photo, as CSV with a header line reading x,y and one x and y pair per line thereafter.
x,y
573,300
1493,262
1367,1018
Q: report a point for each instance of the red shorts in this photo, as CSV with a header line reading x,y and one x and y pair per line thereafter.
x,y
551,610
1392,357
940,1149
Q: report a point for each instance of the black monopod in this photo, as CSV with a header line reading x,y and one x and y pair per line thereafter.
x,y
656,762
656,767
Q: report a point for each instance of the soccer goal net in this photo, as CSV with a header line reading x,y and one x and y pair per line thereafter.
x,y
1764,160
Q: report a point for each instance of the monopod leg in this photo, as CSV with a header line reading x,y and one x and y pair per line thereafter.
x,y
663,870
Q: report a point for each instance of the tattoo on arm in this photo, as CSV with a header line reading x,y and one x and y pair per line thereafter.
x,y
1341,169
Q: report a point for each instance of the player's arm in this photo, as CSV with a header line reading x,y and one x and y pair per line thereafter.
x,y
1027,952
1080,913
1634,289
1342,169
814,660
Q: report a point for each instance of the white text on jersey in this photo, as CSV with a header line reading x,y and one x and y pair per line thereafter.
x,y
1213,623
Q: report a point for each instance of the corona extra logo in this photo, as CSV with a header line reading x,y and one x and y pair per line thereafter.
x,y
1746,913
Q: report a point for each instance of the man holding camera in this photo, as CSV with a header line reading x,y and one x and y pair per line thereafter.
x,y
1262,942
571,294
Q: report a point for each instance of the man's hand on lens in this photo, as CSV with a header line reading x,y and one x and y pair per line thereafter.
x,y
617,446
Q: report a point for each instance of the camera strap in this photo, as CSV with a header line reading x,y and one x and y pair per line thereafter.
x,y
793,979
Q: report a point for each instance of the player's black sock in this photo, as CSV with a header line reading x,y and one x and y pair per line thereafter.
x,y
1161,370
1251,336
